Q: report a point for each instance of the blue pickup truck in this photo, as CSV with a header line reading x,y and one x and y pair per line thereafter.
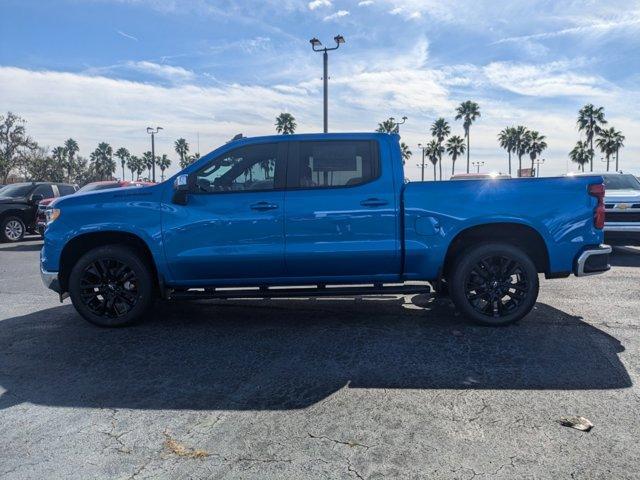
x,y
320,214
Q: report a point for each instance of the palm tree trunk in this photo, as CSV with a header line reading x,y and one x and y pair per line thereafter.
x,y
434,172
440,167
467,133
519,165
509,151
607,162
591,153
123,172
453,166
617,169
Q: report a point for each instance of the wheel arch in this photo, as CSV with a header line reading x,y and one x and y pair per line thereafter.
x,y
519,235
81,244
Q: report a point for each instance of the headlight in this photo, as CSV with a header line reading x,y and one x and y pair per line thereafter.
x,y
52,214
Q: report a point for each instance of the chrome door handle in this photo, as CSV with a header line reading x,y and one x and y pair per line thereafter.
x,y
373,202
263,206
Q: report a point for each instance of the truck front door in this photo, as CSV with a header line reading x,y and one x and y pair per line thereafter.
x,y
232,227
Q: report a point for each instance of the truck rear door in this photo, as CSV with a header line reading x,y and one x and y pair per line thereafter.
x,y
341,217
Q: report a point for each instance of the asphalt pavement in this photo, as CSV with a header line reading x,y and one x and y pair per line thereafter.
x,y
385,387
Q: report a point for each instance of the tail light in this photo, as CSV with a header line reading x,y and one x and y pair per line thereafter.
x,y
597,190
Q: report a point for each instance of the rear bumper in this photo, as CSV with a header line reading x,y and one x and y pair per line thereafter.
x,y
592,261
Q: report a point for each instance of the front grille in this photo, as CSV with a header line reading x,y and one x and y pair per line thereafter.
x,y
622,217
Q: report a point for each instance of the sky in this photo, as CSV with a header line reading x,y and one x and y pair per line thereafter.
x,y
205,70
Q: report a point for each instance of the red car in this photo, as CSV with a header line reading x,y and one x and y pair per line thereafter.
x,y
41,219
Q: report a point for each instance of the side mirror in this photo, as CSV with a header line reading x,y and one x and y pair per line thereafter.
x,y
181,189
37,198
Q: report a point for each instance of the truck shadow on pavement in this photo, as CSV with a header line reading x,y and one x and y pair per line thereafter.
x,y
277,355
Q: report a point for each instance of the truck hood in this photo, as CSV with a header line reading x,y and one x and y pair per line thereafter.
x,y
9,200
622,196
100,196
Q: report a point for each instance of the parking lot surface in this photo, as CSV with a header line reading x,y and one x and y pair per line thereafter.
x,y
387,387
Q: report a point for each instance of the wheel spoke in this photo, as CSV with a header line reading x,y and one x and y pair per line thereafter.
x,y
108,288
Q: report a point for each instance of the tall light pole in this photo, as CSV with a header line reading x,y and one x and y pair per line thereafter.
x,y
422,149
316,45
152,131
539,162
477,165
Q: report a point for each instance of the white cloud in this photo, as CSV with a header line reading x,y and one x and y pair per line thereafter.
x,y
546,80
126,35
365,3
336,15
318,3
167,72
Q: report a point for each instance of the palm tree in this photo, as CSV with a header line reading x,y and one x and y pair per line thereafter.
x,y
102,160
59,157
618,140
405,152
434,151
580,154
591,119
138,166
467,111
440,130
507,139
535,145
606,143
71,146
148,161
123,154
182,149
286,124
163,163
455,148
132,164
388,126
521,140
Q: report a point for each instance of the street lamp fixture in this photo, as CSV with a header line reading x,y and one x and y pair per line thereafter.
x,y
539,162
316,45
153,131
397,124
477,165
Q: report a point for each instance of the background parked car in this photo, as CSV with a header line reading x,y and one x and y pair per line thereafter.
x,y
19,203
41,219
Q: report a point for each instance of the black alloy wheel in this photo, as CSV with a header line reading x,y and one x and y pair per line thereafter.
x,y
494,283
111,286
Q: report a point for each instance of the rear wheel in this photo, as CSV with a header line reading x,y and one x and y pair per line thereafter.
x,y
12,229
111,286
494,284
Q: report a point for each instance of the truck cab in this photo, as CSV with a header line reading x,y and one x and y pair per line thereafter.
x,y
320,214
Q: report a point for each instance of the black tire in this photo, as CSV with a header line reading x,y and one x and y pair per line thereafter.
x,y
111,286
12,229
494,284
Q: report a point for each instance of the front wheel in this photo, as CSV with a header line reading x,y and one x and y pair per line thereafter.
x,y
494,284
12,229
111,286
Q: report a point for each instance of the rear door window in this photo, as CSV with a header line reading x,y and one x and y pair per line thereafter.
x,y
330,164
45,190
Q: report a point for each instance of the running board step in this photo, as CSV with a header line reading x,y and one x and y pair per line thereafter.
x,y
280,292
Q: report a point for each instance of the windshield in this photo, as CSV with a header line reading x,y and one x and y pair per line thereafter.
x,y
92,187
621,182
16,190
